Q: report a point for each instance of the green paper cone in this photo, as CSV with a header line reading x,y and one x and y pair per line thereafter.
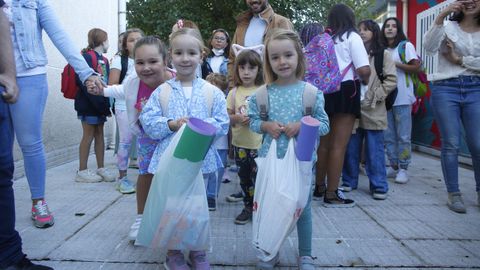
x,y
195,140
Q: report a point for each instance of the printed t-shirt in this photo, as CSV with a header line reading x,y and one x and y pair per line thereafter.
x,y
351,49
405,95
144,93
242,136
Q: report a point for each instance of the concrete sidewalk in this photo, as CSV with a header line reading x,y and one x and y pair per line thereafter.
x,y
412,229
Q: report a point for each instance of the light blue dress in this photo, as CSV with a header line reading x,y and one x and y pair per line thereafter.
x,y
285,106
154,122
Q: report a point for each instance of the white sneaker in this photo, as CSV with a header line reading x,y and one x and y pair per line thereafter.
x,y
132,235
106,174
363,169
125,186
306,263
87,176
402,177
391,172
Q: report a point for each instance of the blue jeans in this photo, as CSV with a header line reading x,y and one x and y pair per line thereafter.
x,y
27,117
211,184
10,241
374,160
456,102
398,136
223,153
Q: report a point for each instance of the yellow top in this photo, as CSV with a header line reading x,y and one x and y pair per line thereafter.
x,y
242,136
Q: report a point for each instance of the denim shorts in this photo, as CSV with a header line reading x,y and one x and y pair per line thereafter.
x,y
93,120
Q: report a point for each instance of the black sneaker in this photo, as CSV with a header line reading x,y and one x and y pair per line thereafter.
x,y
212,204
338,201
235,197
379,195
244,217
26,264
318,192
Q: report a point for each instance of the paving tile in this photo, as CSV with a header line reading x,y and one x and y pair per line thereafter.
x,y
412,229
383,253
443,253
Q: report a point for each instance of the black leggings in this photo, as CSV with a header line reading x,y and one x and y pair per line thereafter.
x,y
247,172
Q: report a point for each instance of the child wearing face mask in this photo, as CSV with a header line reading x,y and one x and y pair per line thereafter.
x,y
93,111
216,61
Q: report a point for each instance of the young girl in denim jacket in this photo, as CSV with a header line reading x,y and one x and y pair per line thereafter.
x,y
284,68
187,99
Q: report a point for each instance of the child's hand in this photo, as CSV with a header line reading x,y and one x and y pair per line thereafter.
x,y
96,81
93,89
274,129
245,120
175,125
292,129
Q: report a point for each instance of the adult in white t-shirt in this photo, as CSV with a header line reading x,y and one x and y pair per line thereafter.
x,y
397,136
125,136
342,107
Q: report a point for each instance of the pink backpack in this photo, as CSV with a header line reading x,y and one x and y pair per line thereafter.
x,y
322,66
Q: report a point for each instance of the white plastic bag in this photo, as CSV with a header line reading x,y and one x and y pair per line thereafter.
x,y
176,212
281,192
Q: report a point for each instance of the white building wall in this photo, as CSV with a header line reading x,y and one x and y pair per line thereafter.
x,y
62,130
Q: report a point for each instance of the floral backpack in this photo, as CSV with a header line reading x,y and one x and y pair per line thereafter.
x,y
322,65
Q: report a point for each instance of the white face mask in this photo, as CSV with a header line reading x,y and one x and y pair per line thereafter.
x,y
218,52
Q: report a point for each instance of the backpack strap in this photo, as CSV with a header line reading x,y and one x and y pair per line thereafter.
x,y
344,72
402,48
165,90
124,63
208,93
93,55
402,53
378,63
309,99
262,102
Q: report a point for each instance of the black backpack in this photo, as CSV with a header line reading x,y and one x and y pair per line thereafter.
x,y
378,62
123,72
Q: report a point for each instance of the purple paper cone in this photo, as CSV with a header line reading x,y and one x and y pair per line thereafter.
x,y
306,138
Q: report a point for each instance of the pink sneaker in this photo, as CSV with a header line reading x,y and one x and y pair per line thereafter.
x,y
199,261
175,261
41,216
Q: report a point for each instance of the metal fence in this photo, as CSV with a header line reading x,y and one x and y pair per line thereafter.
x,y
425,20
